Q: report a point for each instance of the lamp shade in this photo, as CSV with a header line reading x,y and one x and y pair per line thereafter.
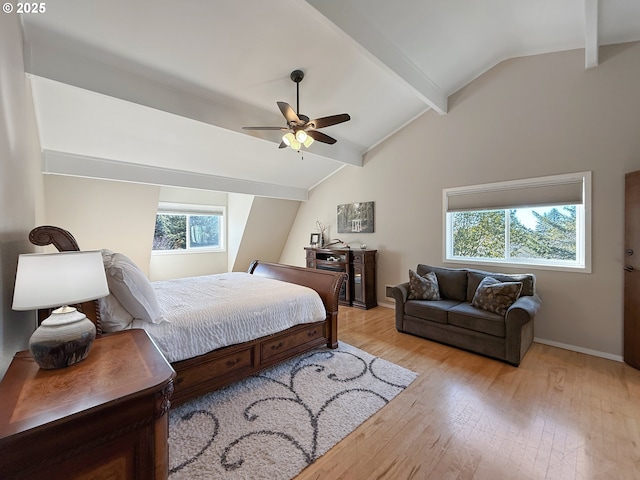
x,y
308,141
301,135
291,141
46,280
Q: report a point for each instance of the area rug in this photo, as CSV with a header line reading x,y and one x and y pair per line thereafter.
x,y
272,425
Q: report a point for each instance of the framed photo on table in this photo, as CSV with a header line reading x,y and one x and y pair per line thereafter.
x,y
314,240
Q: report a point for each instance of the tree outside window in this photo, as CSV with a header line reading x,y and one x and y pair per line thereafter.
x,y
176,231
543,235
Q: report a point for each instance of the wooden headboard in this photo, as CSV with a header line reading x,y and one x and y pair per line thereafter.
x,y
65,242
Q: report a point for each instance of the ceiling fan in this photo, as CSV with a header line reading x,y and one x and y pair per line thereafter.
x,y
303,131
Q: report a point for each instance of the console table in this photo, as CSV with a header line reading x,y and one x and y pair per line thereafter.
x,y
104,417
360,266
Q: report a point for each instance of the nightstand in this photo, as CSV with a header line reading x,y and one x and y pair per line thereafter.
x,y
102,418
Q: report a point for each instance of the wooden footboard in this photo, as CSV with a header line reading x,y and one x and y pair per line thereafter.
x,y
204,373
325,282
199,375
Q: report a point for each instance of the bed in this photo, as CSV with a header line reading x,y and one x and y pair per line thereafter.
x,y
201,373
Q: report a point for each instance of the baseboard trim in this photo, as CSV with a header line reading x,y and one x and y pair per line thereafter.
x,y
386,305
573,348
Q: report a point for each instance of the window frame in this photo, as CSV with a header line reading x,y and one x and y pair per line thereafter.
x,y
583,224
190,209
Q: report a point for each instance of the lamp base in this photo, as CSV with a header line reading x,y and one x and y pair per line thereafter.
x,y
62,339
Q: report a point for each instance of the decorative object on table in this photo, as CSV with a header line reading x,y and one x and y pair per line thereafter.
x,y
314,240
355,217
363,246
336,241
53,280
323,227
274,424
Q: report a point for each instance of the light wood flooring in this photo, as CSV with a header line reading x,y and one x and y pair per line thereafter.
x,y
560,415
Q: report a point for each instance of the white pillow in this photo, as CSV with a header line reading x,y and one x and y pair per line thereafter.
x,y
114,317
107,257
131,287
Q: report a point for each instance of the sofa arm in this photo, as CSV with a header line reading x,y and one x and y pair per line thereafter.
x,y
400,294
519,327
523,309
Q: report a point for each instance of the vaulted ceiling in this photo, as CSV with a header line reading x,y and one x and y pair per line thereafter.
x,y
157,91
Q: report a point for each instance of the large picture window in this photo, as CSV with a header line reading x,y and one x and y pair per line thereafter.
x,y
183,227
541,222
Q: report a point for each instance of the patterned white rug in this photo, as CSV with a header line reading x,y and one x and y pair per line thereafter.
x,y
271,426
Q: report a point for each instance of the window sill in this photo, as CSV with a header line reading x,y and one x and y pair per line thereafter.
x,y
161,253
519,265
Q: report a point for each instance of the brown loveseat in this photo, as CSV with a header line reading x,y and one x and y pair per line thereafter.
x,y
454,320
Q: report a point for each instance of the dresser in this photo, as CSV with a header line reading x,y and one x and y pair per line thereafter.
x,y
360,266
105,417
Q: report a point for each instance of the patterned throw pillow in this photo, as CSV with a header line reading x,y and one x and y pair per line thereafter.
x,y
423,288
494,296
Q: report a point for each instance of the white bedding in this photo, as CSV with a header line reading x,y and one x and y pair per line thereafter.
x,y
213,311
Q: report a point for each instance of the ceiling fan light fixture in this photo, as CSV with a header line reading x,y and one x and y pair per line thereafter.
x,y
308,141
301,136
290,141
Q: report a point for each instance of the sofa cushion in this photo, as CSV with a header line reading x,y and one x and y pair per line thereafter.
x,y
466,316
494,296
528,281
435,311
452,282
423,287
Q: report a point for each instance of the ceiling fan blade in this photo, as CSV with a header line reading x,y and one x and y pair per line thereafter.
x,y
288,113
321,137
265,128
328,121
282,145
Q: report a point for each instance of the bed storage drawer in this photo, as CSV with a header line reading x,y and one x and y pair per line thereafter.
x,y
236,360
283,344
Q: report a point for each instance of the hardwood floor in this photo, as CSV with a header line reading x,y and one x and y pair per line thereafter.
x,y
560,415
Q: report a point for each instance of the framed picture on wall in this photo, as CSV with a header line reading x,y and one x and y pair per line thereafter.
x,y
355,217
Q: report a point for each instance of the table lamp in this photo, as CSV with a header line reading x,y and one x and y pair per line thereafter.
x,y
48,280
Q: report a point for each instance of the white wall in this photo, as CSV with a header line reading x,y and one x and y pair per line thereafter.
x,y
239,210
527,117
21,192
121,216
100,214
265,234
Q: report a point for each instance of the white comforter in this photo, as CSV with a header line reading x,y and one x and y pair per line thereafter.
x,y
213,311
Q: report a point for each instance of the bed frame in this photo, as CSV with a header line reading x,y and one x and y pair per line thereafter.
x,y
204,373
